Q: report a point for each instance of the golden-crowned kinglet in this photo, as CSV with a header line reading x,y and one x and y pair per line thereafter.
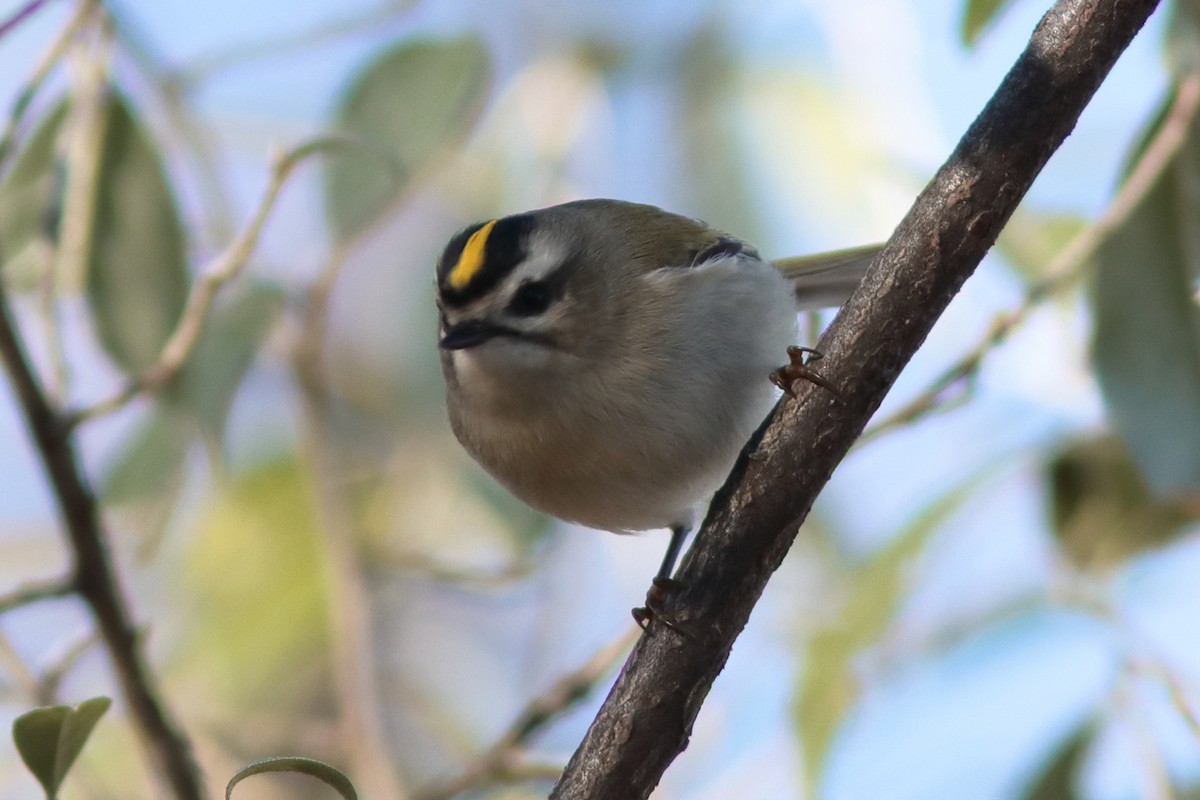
x,y
606,361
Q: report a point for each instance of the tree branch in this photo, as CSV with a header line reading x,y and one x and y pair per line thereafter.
x,y
35,592
647,718
93,575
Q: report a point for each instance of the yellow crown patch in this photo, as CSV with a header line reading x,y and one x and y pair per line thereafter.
x,y
471,259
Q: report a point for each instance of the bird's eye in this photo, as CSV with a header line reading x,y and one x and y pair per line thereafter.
x,y
531,298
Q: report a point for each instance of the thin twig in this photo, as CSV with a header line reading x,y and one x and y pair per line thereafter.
x,y
22,676
52,677
219,271
203,69
354,676
1156,782
1140,655
35,592
506,575
498,762
94,575
194,137
53,53
518,768
49,58
1066,269
84,131
19,16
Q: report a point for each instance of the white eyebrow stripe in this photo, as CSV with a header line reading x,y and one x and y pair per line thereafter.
x,y
544,258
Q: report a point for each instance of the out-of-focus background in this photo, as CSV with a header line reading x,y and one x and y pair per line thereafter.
x,y
994,598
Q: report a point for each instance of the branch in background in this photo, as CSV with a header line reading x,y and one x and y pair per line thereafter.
x,y
1140,657
23,679
506,575
500,761
1070,265
94,578
355,681
1155,779
20,15
52,676
369,20
646,720
35,592
1181,699
53,53
220,271
85,131
192,136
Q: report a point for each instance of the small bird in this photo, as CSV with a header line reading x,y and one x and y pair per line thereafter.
x,y
606,361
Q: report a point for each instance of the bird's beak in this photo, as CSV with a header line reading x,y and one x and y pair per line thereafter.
x,y
469,333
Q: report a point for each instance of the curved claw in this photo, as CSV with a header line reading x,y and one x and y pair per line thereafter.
x,y
799,368
655,607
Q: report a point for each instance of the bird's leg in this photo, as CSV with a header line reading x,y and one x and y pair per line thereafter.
x,y
662,584
678,537
800,368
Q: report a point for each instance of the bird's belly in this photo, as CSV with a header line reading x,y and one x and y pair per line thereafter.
x,y
652,476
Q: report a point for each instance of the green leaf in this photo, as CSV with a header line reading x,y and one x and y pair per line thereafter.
x,y
978,15
230,340
137,278
50,739
412,103
828,689
31,202
1146,342
1056,781
328,775
1103,511
151,459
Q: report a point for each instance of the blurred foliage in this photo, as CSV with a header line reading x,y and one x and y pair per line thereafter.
x,y
31,202
874,590
1058,779
1183,38
254,578
137,276
410,104
1031,241
1146,346
1103,511
233,334
977,15
718,170
150,463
